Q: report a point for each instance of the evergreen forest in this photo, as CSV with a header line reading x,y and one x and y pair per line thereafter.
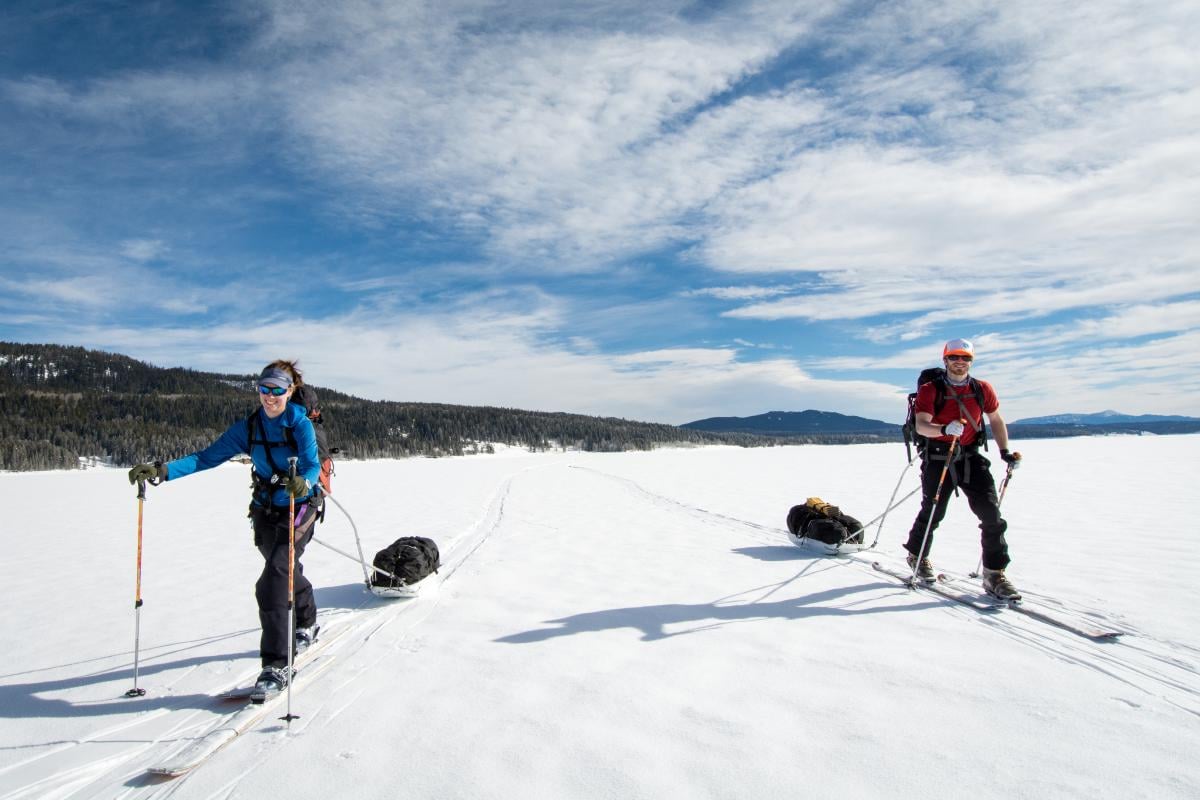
x,y
61,404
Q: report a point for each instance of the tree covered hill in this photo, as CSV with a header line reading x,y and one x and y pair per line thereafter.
x,y
792,423
830,427
61,403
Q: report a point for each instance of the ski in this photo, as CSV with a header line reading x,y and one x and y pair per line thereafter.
x,y
231,726
1094,633
1086,631
323,640
941,589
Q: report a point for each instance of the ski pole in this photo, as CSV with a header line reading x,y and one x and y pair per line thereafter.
x,y
291,636
137,597
1008,473
937,497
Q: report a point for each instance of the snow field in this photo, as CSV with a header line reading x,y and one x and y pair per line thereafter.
x,y
617,625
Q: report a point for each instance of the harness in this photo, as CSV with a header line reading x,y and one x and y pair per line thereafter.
x,y
935,450
261,487
944,391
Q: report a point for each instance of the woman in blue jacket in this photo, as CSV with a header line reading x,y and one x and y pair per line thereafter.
x,y
275,432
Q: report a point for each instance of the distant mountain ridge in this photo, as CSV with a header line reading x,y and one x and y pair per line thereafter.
x,y
792,423
832,427
1101,418
62,404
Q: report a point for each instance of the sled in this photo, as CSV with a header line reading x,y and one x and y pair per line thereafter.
x,y
407,590
828,549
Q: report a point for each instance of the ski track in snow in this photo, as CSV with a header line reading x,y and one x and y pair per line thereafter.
x,y
74,769
67,772
1137,660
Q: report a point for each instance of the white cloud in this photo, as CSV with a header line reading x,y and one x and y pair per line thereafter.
x,y
143,249
738,292
476,354
950,295
914,167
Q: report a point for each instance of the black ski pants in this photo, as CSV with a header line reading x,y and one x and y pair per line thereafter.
x,y
970,472
271,590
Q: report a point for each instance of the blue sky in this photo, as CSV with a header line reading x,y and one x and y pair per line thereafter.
x,y
661,211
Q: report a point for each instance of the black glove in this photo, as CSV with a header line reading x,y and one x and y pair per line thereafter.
x,y
1012,459
155,473
297,486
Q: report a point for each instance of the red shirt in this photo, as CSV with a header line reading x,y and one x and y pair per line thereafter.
x,y
927,395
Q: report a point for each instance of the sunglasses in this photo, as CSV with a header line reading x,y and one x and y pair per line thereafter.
x,y
960,358
276,391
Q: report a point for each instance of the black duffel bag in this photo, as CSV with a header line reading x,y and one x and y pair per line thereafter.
x,y
826,523
409,559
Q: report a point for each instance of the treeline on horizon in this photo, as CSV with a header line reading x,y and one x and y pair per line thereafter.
x,y
60,404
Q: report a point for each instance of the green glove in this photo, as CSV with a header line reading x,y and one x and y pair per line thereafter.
x,y
155,473
297,486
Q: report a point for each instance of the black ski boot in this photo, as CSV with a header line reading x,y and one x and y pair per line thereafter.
x,y
271,681
305,637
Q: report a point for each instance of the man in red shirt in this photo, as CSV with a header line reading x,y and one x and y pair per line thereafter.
x,y
945,410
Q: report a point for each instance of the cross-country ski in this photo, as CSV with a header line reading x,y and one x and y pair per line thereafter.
x,y
235,724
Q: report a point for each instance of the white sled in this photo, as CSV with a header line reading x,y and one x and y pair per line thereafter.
x,y
824,548
407,590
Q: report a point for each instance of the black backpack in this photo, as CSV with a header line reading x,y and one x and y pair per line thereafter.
x,y
409,559
306,396
938,375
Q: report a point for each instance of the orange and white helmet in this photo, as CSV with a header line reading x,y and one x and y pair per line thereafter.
x,y
958,347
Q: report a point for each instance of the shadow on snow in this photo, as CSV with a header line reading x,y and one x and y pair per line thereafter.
x,y
653,620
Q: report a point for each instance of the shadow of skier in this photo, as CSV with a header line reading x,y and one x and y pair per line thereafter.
x,y
653,620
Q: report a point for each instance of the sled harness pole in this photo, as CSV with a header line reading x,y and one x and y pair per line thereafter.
x,y
357,542
358,561
137,597
1008,473
937,497
291,637
891,504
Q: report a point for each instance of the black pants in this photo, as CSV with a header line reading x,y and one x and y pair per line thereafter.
x,y
971,473
271,590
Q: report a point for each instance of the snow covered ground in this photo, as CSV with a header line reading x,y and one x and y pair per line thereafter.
x,y
631,625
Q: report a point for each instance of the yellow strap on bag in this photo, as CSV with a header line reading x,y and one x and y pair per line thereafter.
x,y
821,507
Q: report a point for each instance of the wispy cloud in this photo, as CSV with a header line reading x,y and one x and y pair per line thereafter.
x,y
143,249
614,200
739,292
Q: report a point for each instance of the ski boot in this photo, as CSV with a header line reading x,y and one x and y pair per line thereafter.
x,y
305,637
998,586
925,573
271,681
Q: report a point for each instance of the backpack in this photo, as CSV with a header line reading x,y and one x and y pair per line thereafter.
x,y
409,559
909,429
304,395
824,522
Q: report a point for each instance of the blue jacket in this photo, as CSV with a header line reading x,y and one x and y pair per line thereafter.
x,y
236,441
